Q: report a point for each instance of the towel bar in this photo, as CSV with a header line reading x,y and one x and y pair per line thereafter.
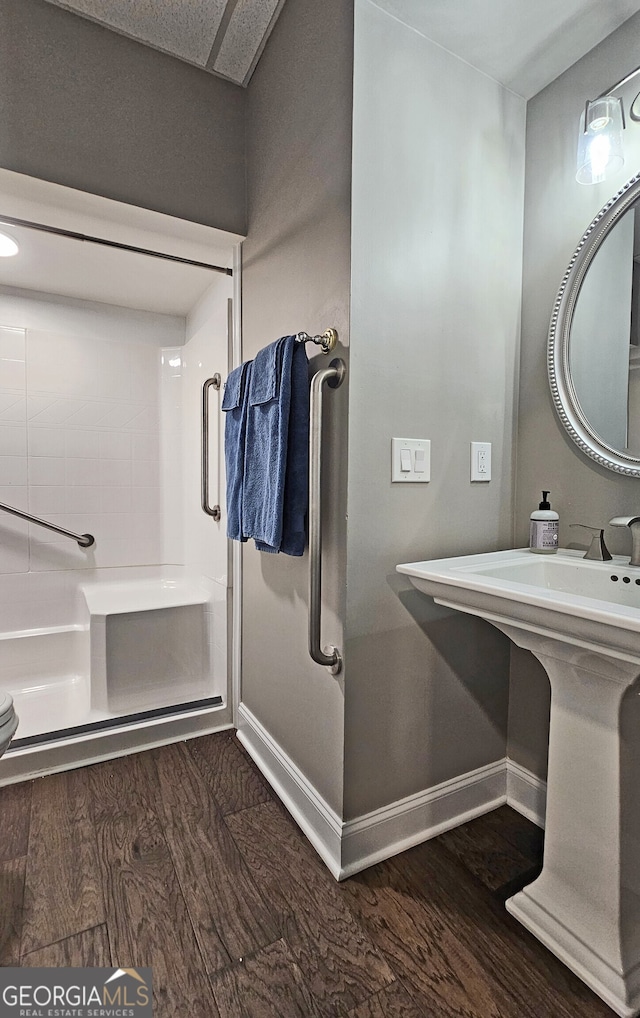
x,y
334,376
210,510
327,340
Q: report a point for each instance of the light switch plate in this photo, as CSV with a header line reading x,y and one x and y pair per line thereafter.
x,y
481,461
412,445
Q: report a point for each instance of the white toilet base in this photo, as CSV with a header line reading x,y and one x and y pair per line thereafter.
x,y
8,722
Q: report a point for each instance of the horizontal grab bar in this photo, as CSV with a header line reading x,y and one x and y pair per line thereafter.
x,y
83,540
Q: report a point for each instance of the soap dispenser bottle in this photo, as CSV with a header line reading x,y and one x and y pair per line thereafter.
x,y
543,528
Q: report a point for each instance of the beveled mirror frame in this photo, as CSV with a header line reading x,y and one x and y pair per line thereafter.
x,y
563,392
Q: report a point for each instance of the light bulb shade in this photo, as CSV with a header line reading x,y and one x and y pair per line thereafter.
x,y
600,150
8,246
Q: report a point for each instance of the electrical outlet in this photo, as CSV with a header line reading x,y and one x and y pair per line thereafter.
x,y
481,461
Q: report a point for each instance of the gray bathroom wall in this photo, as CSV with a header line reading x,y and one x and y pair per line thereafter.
x,y
438,173
85,107
557,212
296,276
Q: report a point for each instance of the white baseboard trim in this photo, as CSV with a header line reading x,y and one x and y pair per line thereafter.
x,y
395,828
322,826
526,793
351,846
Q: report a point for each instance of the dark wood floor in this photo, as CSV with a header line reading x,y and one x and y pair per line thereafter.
x,y
182,860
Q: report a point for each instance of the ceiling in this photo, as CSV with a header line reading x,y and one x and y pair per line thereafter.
x,y
521,44
225,37
524,45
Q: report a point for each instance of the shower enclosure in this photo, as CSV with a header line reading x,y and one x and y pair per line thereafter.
x,y
112,644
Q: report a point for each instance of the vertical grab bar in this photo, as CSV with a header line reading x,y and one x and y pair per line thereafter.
x,y
211,510
334,376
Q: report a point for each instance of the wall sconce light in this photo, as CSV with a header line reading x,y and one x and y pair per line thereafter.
x,y
600,145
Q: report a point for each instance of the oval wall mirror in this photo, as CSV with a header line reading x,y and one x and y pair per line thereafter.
x,y
594,339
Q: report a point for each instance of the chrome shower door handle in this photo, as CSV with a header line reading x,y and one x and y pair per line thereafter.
x,y
334,376
211,510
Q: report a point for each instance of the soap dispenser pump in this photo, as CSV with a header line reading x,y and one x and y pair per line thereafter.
x,y
543,528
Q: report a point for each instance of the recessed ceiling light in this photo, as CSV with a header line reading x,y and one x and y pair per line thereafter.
x,y
8,246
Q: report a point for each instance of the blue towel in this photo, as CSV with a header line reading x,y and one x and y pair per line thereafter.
x,y
267,448
277,444
296,490
266,444
235,403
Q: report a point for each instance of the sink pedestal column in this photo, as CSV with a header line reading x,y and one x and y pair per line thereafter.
x,y
585,905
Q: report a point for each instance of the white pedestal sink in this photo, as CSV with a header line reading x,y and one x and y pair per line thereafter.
x,y
584,627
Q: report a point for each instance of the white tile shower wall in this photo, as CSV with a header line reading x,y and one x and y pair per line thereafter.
x,y
79,445
30,309
171,431
14,547
205,353
92,439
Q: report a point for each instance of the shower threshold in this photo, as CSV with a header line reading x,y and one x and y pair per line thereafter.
x,y
45,738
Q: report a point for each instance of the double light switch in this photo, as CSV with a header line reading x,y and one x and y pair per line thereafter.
x,y
410,459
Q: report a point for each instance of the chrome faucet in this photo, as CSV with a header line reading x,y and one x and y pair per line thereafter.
x,y
633,523
597,550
